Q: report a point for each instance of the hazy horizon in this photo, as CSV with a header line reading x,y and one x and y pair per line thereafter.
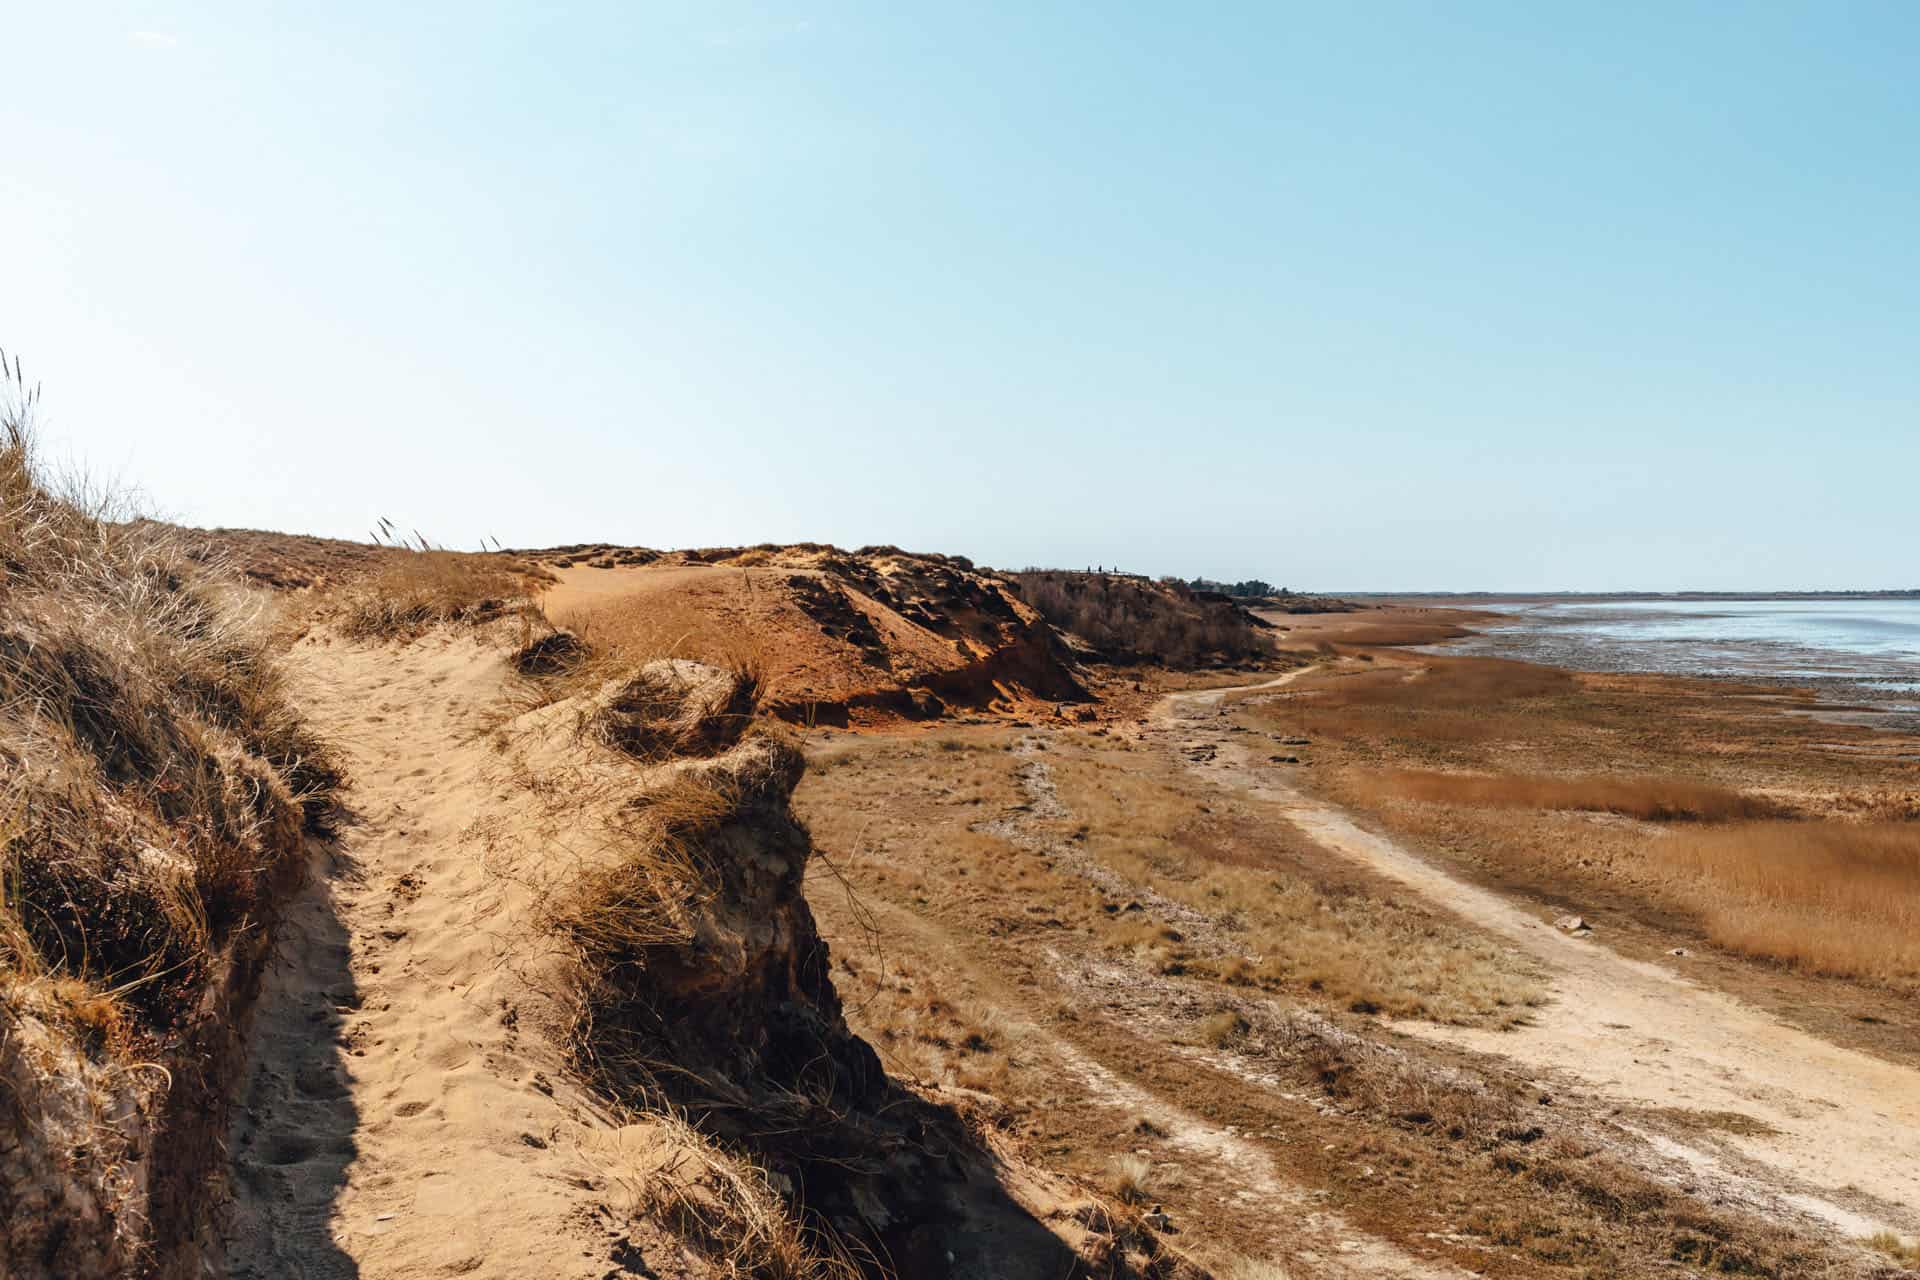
x,y
1386,298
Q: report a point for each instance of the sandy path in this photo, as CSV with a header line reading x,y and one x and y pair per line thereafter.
x,y
403,1117
1846,1125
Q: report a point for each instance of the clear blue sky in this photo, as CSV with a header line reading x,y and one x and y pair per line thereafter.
x,y
1341,295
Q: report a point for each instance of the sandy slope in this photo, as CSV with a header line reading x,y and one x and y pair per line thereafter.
x,y
403,1115
1845,1126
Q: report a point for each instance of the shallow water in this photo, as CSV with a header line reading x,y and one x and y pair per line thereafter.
x,y
1854,650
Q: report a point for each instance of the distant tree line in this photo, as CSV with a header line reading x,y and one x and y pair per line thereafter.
x,y
1238,590
1130,619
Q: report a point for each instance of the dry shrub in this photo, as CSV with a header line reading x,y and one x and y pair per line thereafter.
x,y
423,589
1834,897
1650,799
673,707
1128,619
155,785
1130,1180
1441,702
1224,1028
922,1035
1370,1077
554,653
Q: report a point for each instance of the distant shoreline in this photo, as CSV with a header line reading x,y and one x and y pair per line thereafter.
x,y
1602,597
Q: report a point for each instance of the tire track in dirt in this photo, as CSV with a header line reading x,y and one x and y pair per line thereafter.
x,y
1844,1126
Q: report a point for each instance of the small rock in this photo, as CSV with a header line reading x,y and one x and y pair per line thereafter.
x,y
1573,924
1158,1219
1679,951
1283,759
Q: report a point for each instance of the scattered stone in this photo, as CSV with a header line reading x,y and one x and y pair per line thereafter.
x,y
1283,759
1575,925
1679,951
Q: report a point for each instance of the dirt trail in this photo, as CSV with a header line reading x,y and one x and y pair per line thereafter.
x,y
403,1115
1844,1126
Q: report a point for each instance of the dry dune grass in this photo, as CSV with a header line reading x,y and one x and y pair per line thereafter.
x,y
1835,897
1652,799
617,911
1130,1180
423,589
155,771
155,786
716,1201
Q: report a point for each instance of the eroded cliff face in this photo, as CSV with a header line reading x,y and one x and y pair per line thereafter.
x,y
714,998
741,1005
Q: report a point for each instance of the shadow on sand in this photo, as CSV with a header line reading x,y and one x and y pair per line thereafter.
x,y
291,1135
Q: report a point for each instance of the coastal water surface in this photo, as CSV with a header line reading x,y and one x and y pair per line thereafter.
x,y
1865,650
